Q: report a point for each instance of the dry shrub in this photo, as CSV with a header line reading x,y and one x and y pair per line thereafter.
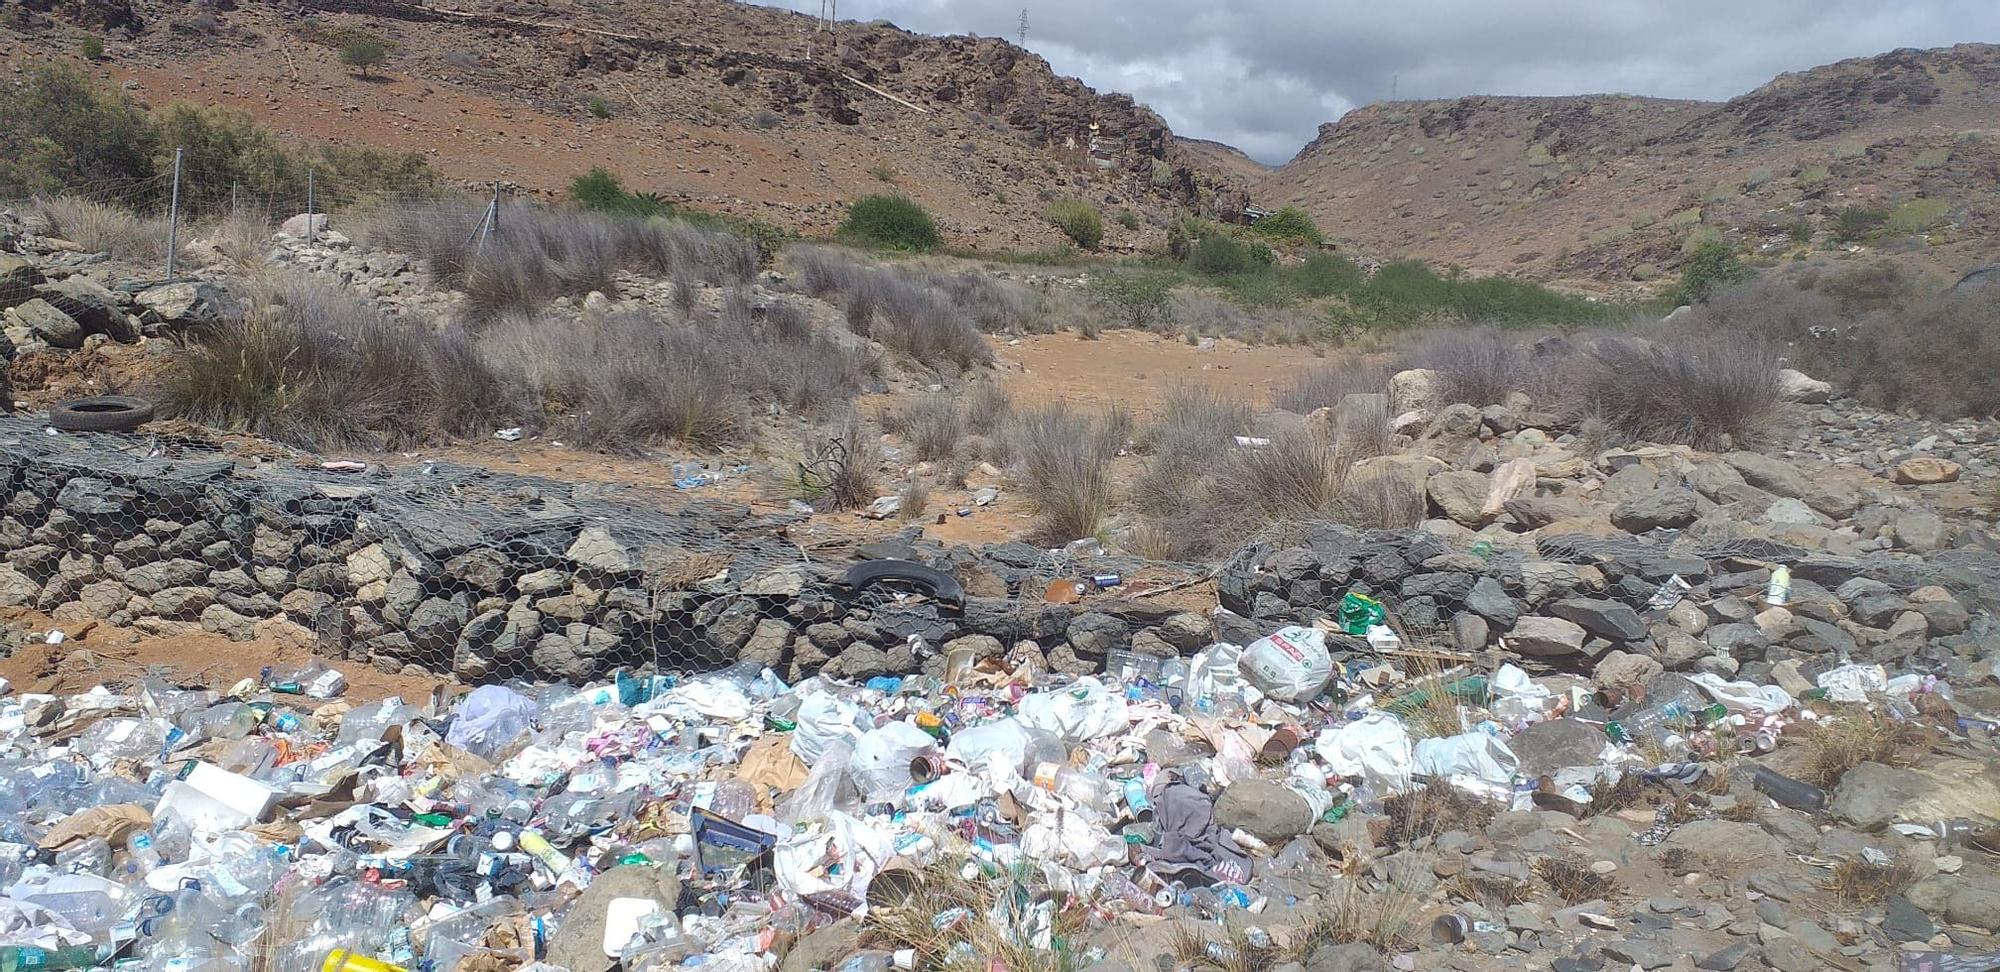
x,y
1384,916
1707,393
241,236
1065,459
913,923
931,425
624,378
838,469
987,408
534,254
320,367
1829,747
1628,791
1573,881
916,498
1476,366
1379,503
101,228
1436,809
1858,883
1323,386
934,320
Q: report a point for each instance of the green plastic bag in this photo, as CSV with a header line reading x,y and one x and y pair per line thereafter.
x,y
1359,612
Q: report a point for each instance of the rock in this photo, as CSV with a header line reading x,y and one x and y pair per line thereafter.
x,y
1489,600
1411,390
1919,531
578,943
91,306
218,619
1407,474
1625,672
18,279
1870,795
1672,508
1786,511
484,568
1273,813
1541,637
1096,633
159,575
1188,631
1461,495
823,948
1926,471
1350,957
596,549
1726,958
1556,744
178,602
188,304
1797,386
767,644
786,581
302,226
1605,618
48,324
1457,421
1742,846
1772,475
435,624
1904,922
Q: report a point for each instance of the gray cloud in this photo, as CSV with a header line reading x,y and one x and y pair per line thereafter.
x,y
1263,74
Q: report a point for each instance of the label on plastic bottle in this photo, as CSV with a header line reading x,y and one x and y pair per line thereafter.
x,y
1046,774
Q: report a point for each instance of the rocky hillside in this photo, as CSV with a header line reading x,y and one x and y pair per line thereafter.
x,y
1613,187
732,107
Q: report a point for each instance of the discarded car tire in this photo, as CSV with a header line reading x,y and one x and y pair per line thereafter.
x,y
101,413
939,585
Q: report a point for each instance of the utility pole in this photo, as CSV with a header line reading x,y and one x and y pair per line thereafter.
x,y
174,216
1023,37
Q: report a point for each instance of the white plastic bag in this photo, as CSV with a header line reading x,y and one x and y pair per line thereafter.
x,y
881,766
1853,683
1004,736
1479,755
1767,699
1374,747
1085,710
1516,697
1291,665
860,848
1215,672
490,718
823,718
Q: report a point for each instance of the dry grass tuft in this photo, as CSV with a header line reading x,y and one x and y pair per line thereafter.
x,y
1065,460
1323,386
838,470
1573,881
1707,393
1438,808
931,425
1858,883
1831,746
98,227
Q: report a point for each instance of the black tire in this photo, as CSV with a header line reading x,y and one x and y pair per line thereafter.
x,y
939,585
101,413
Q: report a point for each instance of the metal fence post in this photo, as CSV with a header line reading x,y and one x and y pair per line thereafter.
x,y
312,231
174,216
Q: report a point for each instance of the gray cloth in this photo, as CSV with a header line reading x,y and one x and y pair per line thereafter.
x,y
1187,839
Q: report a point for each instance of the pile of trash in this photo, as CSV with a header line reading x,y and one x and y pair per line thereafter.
x,y
998,816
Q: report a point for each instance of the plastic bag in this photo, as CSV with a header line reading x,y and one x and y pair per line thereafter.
x,y
1086,710
826,789
860,849
1852,683
881,766
1375,747
823,718
1741,696
1516,698
490,718
1359,612
1291,665
1005,736
1216,673
1479,755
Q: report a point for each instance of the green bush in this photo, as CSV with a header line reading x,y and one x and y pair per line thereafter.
x,y
1712,266
600,191
1128,219
1814,176
60,132
890,221
1078,220
1856,223
599,108
1290,225
363,53
1933,158
1222,255
1140,298
92,48
1325,274
1917,216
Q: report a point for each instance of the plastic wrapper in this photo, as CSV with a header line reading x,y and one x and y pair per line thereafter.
x,y
881,764
1375,747
490,719
827,788
1086,710
1290,665
823,719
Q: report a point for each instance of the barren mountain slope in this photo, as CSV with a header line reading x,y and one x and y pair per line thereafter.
x,y
746,109
1612,187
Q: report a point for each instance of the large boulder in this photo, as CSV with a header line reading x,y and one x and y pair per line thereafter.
x,y
1412,390
1673,507
1604,618
1768,474
578,943
1461,495
48,323
1539,636
1926,471
1270,812
1797,386
18,279
188,304
92,306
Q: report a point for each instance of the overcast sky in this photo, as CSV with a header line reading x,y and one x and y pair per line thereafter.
x,y
1263,74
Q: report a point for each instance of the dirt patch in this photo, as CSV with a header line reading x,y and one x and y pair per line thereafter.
x,y
1135,368
95,654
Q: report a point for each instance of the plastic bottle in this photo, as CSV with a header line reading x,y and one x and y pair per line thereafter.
x,y
1174,677
1079,785
230,720
1789,792
535,845
1779,592
141,857
1653,723
91,856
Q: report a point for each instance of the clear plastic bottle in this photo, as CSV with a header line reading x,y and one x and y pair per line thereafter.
x,y
141,856
91,856
1081,786
230,720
